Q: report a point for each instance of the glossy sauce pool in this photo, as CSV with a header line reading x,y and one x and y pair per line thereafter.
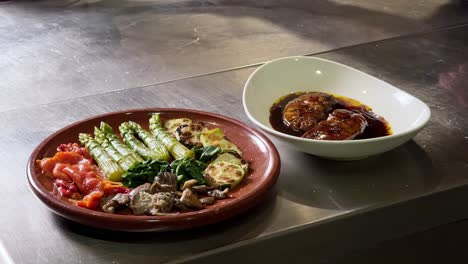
x,y
377,126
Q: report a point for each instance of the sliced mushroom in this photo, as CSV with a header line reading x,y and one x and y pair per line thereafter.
x,y
142,188
202,188
162,203
167,178
219,194
207,200
157,187
190,199
189,184
180,206
110,203
141,203
154,204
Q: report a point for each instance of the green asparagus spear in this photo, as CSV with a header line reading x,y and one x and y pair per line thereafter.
x,y
125,162
150,141
121,147
177,149
109,167
128,135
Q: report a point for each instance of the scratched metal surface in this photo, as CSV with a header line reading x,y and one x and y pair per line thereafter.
x,y
61,49
432,67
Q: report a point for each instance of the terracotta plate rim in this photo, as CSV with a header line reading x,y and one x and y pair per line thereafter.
x,y
156,223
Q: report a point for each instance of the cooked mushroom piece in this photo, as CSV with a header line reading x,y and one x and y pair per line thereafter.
x,y
157,187
180,206
162,203
219,194
110,203
190,199
142,188
202,188
141,203
153,204
189,184
167,178
207,200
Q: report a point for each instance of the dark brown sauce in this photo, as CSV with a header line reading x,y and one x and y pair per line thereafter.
x,y
377,125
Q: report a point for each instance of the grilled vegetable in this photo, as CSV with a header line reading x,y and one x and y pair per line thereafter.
x,y
109,167
171,125
206,154
215,137
222,173
128,135
124,162
175,148
121,147
233,158
150,141
226,170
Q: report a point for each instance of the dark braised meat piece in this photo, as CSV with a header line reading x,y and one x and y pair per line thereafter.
x,y
110,203
167,178
307,110
340,125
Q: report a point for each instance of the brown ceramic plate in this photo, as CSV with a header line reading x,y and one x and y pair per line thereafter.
x,y
258,150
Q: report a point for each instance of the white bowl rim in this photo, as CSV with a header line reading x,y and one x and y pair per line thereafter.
x,y
308,140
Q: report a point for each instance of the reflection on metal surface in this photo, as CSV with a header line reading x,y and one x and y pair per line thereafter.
x,y
318,183
90,47
456,82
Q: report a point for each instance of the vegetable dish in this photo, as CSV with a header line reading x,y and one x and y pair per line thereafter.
x,y
175,166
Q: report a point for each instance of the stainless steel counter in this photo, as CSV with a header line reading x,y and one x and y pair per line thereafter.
x,y
106,51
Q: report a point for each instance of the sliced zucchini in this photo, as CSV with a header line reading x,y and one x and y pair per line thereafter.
x,y
171,125
215,137
232,158
223,173
227,145
211,137
189,134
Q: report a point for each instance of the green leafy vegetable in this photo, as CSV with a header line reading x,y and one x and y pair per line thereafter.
x,y
144,172
188,168
206,154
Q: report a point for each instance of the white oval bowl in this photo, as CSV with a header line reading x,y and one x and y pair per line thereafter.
x,y
406,114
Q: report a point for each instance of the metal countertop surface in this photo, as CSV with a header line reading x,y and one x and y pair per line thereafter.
x,y
44,93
